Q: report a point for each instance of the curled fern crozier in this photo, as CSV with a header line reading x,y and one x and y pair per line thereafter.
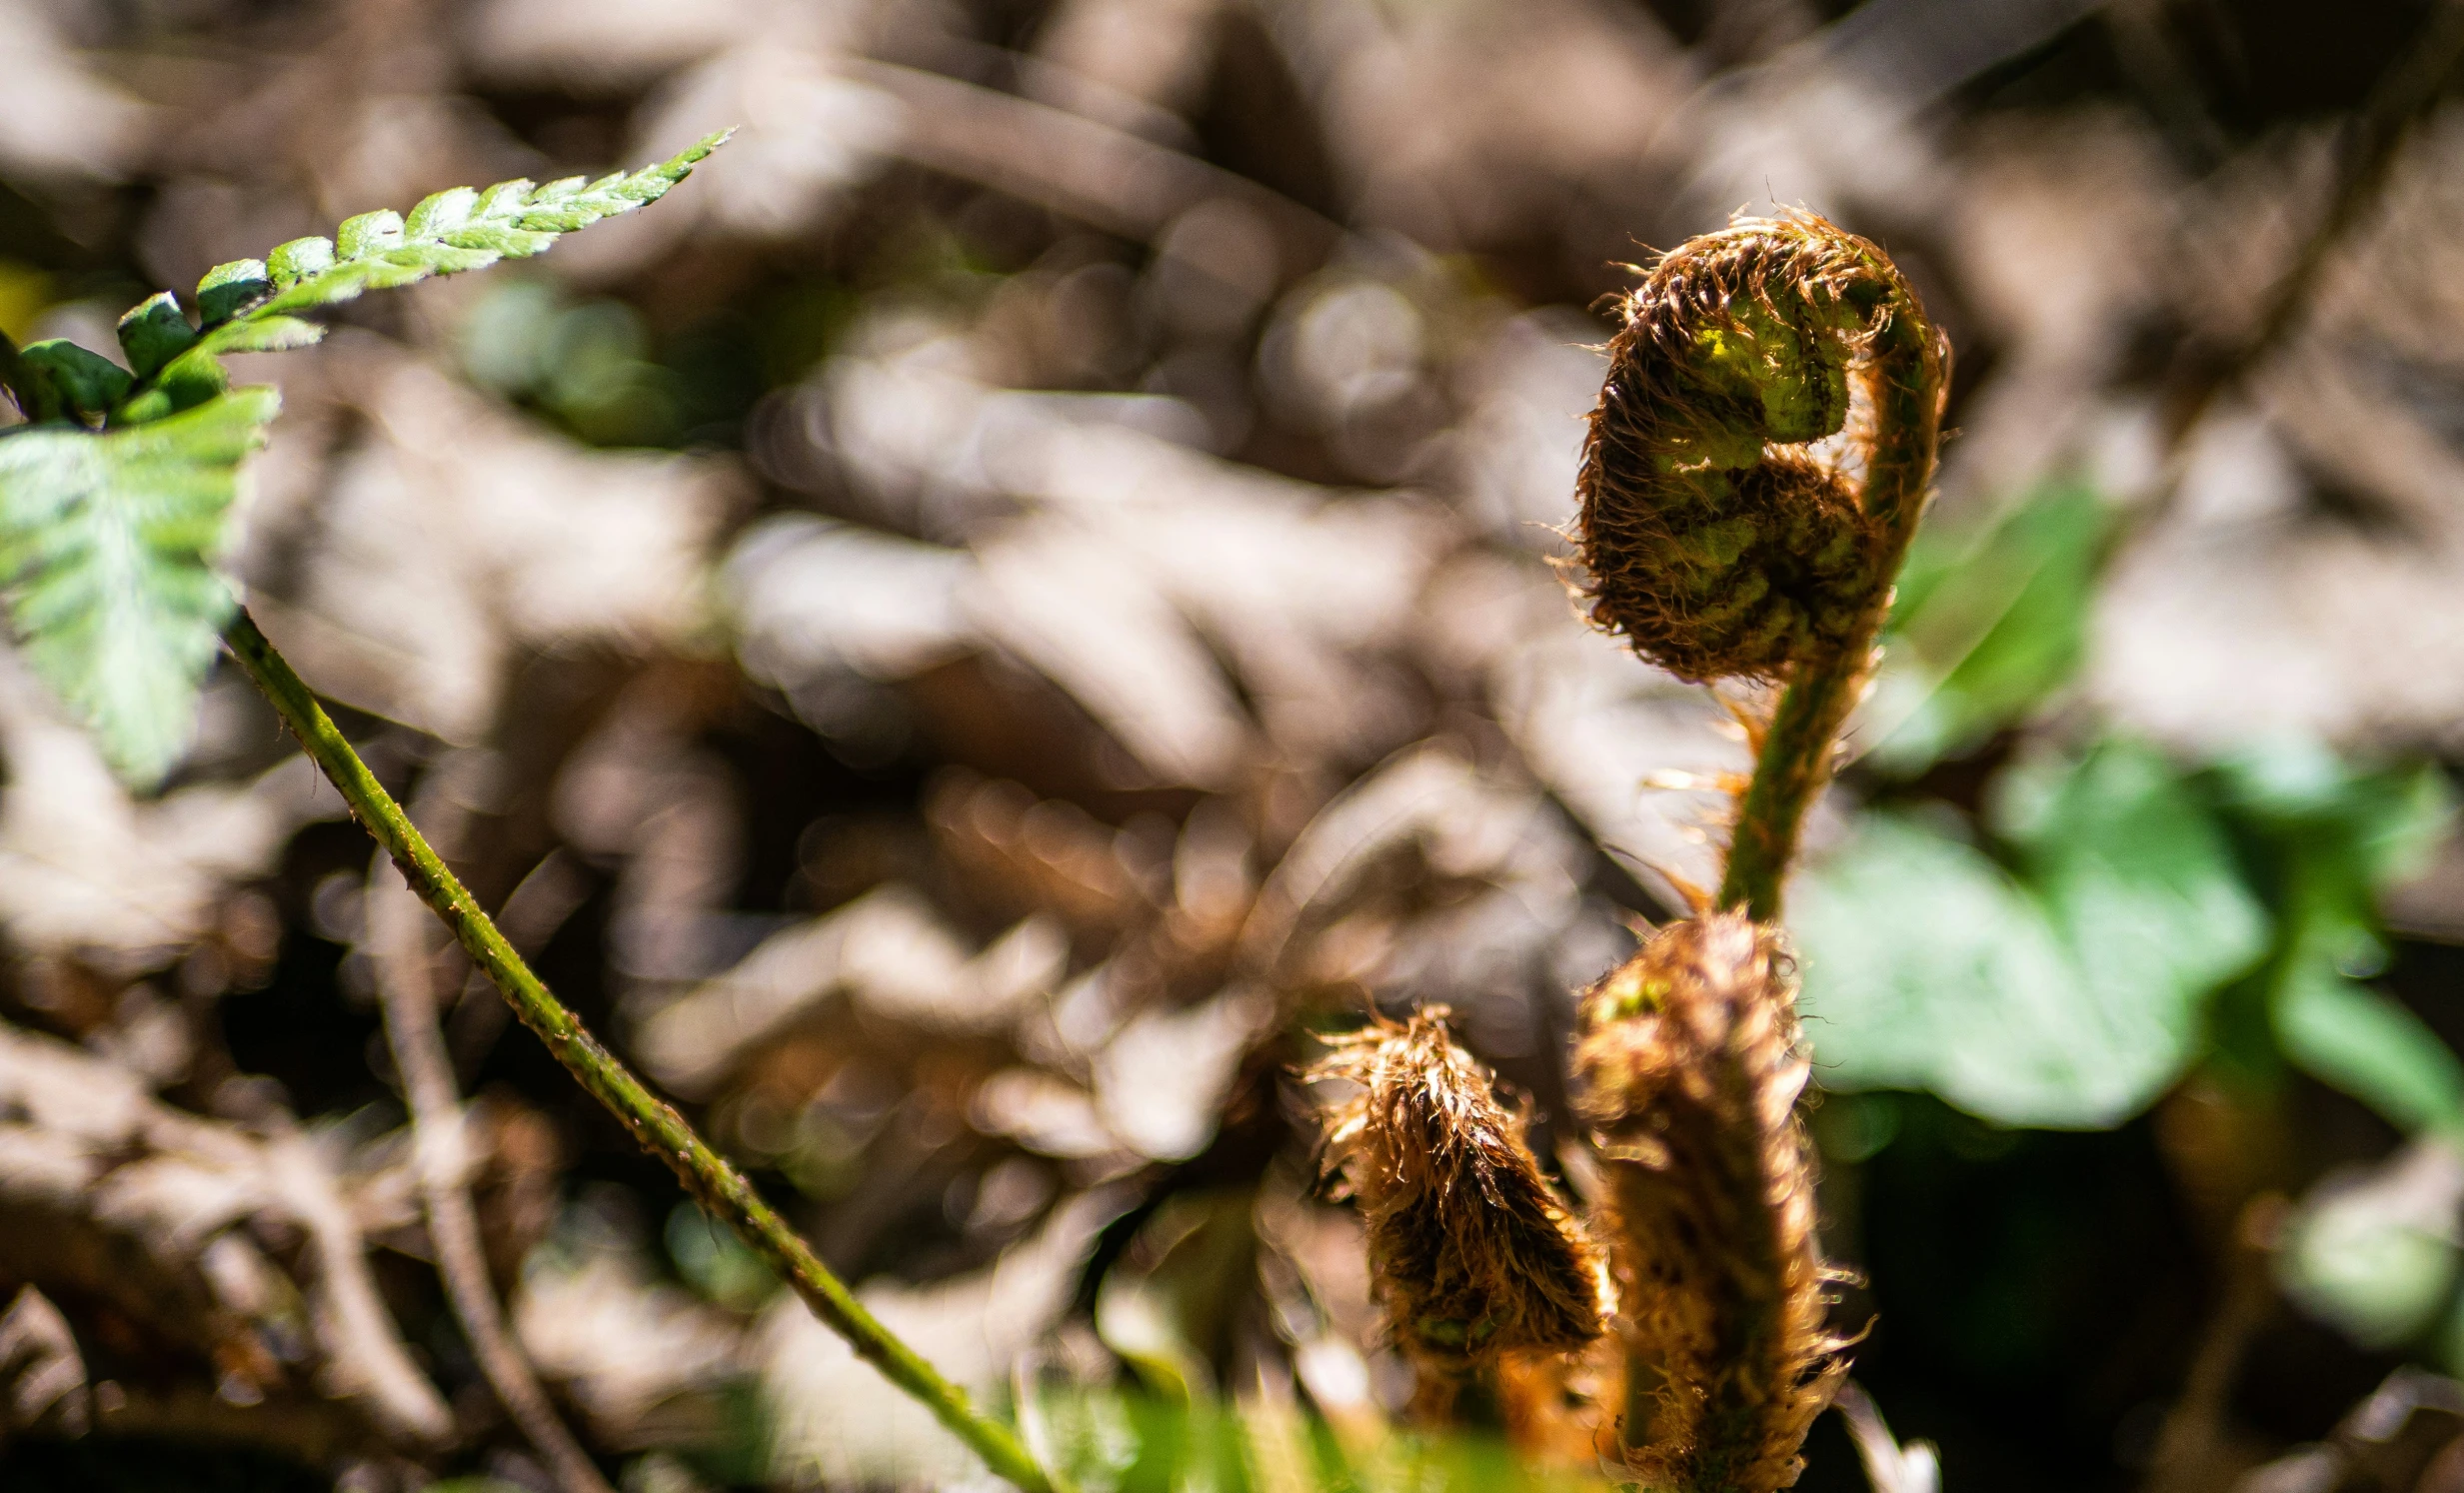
x,y
1717,538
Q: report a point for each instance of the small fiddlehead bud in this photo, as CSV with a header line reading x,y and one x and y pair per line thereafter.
x,y
1472,1254
1715,538
1687,1069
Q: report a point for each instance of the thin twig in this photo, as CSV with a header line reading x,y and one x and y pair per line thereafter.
x,y
406,986
1077,166
721,1189
2365,155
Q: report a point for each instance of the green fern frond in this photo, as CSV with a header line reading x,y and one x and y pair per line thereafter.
x,y
113,500
252,305
109,537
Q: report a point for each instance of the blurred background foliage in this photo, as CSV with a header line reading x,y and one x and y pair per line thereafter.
x,y
966,634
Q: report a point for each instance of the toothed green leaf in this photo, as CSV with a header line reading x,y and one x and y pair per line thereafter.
x,y
262,334
71,381
441,212
368,233
249,306
510,243
461,229
228,287
297,259
105,541
153,332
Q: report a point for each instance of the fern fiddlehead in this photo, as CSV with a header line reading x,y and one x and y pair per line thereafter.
x,y
1472,1256
1717,541
1726,535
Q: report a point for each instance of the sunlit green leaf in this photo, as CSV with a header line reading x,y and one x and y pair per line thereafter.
x,y
108,534
2066,994
105,539
1987,626
252,305
1926,967
2356,1040
2134,869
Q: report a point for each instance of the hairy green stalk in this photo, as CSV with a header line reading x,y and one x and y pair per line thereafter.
x,y
720,1188
1905,379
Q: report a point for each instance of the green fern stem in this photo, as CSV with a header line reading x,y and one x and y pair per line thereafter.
x,y
1907,377
720,1188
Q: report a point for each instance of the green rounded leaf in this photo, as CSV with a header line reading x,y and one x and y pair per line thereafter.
x,y
2374,1252
2066,993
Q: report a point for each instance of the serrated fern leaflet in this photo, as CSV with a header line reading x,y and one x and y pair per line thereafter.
x,y
113,501
251,306
109,537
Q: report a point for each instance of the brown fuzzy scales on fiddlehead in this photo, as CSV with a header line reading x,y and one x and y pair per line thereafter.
x,y
1716,545
1688,1068
1472,1251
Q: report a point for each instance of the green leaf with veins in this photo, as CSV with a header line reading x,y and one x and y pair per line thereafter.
x,y
2065,993
106,541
